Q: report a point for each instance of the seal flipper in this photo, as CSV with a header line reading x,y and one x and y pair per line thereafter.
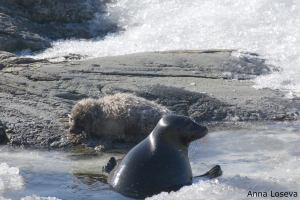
x,y
110,165
214,172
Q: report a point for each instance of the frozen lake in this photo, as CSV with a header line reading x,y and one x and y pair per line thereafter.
x,y
255,158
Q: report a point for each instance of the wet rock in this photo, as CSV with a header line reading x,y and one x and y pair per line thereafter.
x,y
3,136
20,33
199,106
28,24
10,60
36,97
73,18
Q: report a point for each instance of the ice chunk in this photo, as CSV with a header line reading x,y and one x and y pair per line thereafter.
x,y
35,197
10,179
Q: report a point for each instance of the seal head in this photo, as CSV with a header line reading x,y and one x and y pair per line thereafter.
x,y
160,162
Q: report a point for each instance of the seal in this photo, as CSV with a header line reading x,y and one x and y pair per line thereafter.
x,y
160,162
121,117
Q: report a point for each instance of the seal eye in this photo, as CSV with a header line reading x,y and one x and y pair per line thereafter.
x,y
184,119
189,126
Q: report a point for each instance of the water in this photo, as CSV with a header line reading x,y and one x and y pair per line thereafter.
x,y
34,174
270,28
256,158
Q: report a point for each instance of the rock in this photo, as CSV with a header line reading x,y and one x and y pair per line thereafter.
x,y
36,98
26,24
73,18
14,8
17,33
3,136
200,107
10,60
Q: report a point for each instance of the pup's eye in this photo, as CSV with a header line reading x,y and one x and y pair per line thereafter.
x,y
71,119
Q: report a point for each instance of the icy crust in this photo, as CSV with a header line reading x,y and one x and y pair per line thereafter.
x,y
261,159
10,179
35,197
255,158
35,160
233,188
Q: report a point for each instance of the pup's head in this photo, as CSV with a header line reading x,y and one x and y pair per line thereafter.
x,y
81,117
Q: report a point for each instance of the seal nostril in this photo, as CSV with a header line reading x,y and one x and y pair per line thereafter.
x,y
165,148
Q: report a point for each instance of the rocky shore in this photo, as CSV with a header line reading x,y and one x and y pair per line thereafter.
x,y
36,96
32,24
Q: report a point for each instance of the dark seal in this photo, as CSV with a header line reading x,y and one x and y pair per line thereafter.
x,y
160,162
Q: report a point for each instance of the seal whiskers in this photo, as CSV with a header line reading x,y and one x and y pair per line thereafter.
x,y
160,162
204,142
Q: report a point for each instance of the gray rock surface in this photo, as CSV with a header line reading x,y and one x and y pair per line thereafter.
x,y
210,86
20,33
11,60
29,24
3,137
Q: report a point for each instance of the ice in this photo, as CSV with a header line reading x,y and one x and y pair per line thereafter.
x,y
5,169
10,179
235,188
1,198
201,190
270,28
35,197
256,159
253,157
39,160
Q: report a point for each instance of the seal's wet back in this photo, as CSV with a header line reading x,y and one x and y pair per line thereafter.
x,y
160,162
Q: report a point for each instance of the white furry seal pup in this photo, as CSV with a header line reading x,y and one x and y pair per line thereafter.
x,y
119,117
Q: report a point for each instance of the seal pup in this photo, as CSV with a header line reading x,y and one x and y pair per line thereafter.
x,y
121,117
160,162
